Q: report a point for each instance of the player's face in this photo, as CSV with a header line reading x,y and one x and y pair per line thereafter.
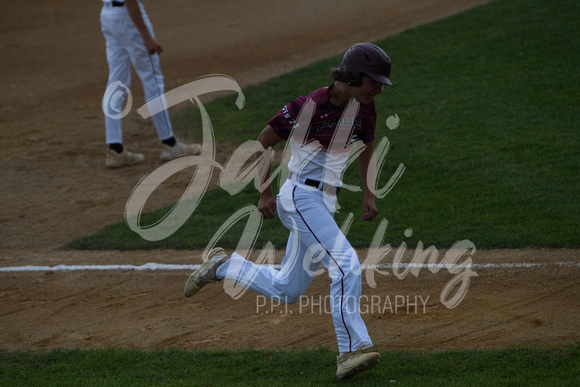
x,y
367,91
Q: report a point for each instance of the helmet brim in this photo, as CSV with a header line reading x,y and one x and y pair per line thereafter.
x,y
381,79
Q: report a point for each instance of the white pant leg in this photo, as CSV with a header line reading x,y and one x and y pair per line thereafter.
x,y
318,228
286,284
119,64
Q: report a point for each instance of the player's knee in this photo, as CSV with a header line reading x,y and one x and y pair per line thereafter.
x,y
291,292
355,267
292,300
350,265
292,297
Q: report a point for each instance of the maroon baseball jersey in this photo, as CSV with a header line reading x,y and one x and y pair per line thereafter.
x,y
325,119
320,150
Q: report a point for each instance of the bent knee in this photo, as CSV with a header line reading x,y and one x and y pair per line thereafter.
x,y
289,296
293,298
349,267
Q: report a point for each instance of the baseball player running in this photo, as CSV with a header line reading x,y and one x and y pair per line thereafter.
x,y
339,116
130,40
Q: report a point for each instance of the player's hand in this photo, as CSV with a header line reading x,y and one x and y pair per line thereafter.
x,y
153,46
369,209
267,205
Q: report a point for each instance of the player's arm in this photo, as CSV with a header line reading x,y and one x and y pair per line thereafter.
x,y
134,11
266,142
367,168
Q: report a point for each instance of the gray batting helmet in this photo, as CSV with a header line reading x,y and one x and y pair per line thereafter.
x,y
365,59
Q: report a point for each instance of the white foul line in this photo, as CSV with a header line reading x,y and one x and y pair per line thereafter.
x,y
163,266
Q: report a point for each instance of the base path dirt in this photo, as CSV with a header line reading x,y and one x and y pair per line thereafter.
x,y
55,188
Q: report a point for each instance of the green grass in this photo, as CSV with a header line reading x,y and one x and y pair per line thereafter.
x,y
489,137
554,366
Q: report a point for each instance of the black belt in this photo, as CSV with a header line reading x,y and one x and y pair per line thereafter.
x,y
325,188
117,3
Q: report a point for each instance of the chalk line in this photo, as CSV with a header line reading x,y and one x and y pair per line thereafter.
x,y
164,266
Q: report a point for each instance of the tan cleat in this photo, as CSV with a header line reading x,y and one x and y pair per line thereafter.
x,y
351,363
179,149
123,159
206,274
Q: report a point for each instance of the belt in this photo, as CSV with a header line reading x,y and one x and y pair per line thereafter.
x,y
114,4
326,188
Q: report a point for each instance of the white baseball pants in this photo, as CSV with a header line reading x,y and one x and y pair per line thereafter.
x,y
315,239
125,46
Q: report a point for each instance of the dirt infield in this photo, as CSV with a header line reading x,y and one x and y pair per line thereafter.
x,y
55,188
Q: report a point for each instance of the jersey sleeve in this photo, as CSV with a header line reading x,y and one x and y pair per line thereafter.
x,y
283,122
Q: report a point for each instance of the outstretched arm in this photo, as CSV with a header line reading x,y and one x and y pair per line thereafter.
x,y
367,168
